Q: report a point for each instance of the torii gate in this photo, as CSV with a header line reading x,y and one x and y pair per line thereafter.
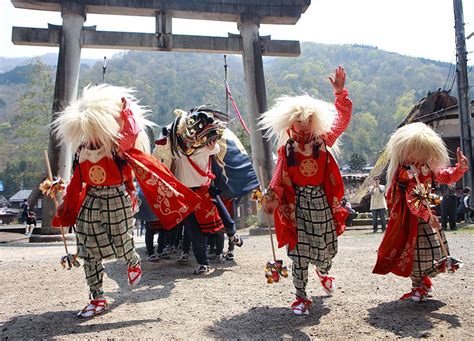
x,y
72,36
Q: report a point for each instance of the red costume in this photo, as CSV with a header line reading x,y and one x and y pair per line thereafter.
x,y
322,170
395,254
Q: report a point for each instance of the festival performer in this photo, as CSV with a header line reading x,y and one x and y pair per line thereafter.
x,y
411,246
105,128
306,188
190,146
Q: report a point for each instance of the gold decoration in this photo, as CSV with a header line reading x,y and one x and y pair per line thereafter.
x,y
422,194
52,188
309,167
97,174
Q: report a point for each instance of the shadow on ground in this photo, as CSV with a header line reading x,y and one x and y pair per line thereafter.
x,y
59,323
410,319
158,279
269,323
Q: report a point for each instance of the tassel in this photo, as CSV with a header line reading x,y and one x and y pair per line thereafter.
x,y
291,153
316,150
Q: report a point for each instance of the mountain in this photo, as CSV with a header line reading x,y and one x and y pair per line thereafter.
x,y
8,64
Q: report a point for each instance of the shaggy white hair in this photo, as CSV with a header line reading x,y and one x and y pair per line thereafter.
x,y
415,143
95,118
289,109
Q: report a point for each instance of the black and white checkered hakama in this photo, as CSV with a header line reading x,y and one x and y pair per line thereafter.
x,y
317,237
104,230
427,250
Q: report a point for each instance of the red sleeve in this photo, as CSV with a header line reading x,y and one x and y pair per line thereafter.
x,y
344,109
66,213
275,183
450,175
130,128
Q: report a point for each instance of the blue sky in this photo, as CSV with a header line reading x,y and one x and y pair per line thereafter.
x,y
419,28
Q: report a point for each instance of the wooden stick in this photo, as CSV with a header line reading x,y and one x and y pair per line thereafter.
x,y
268,219
50,175
440,239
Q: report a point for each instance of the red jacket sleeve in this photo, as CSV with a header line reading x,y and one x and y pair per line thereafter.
x,y
450,175
66,213
344,109
275,183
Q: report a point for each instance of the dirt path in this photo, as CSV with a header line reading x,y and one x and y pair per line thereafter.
x,y
40,300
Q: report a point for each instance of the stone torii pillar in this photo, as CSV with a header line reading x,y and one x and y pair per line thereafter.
x,y
65,91
256,92
256,99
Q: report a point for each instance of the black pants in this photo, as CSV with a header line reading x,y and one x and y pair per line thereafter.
x,y
149,233
199,240
216,242
448,212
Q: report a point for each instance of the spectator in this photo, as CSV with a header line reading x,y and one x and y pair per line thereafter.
x,y
464,210
352,213
24,211
448,206
30,223
378,205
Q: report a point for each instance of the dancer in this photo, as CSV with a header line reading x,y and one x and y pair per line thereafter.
x,y
191,146
411,246
306,188
105,128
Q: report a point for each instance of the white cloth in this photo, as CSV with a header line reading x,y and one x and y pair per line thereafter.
x,y
377,197
186,173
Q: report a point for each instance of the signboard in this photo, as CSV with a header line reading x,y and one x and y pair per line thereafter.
x,y
1,186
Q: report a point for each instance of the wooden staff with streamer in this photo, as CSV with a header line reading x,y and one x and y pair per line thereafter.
x,y
69,260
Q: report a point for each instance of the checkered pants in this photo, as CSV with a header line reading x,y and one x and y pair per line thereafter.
x,y
104,230
427,250
317,238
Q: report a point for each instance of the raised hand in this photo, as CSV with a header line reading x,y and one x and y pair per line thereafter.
x,y
339,80
462,159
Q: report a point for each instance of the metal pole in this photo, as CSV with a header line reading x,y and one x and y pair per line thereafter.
x,y
463,91
225,86
104,68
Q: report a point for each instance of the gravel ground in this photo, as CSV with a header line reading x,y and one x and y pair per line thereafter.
x,y
40,300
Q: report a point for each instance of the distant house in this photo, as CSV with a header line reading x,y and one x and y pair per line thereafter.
x,y
17,199
3,201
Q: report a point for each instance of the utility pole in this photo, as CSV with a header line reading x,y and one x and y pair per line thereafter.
x,y
464,103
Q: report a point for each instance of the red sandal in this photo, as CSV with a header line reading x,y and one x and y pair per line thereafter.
x,y
134,274
94,308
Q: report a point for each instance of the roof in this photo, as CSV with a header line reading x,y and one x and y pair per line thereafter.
x,y
3,200
20,195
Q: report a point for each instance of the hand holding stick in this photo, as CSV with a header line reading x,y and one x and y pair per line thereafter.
x,y
266,214
69,260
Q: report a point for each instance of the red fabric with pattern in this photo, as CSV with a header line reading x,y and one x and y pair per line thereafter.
x,y
285,214
344,109
206,212
169,199
130,129
395,253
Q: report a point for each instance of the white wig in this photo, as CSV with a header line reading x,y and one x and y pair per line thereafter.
x,y
415,143
95,118
288,109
